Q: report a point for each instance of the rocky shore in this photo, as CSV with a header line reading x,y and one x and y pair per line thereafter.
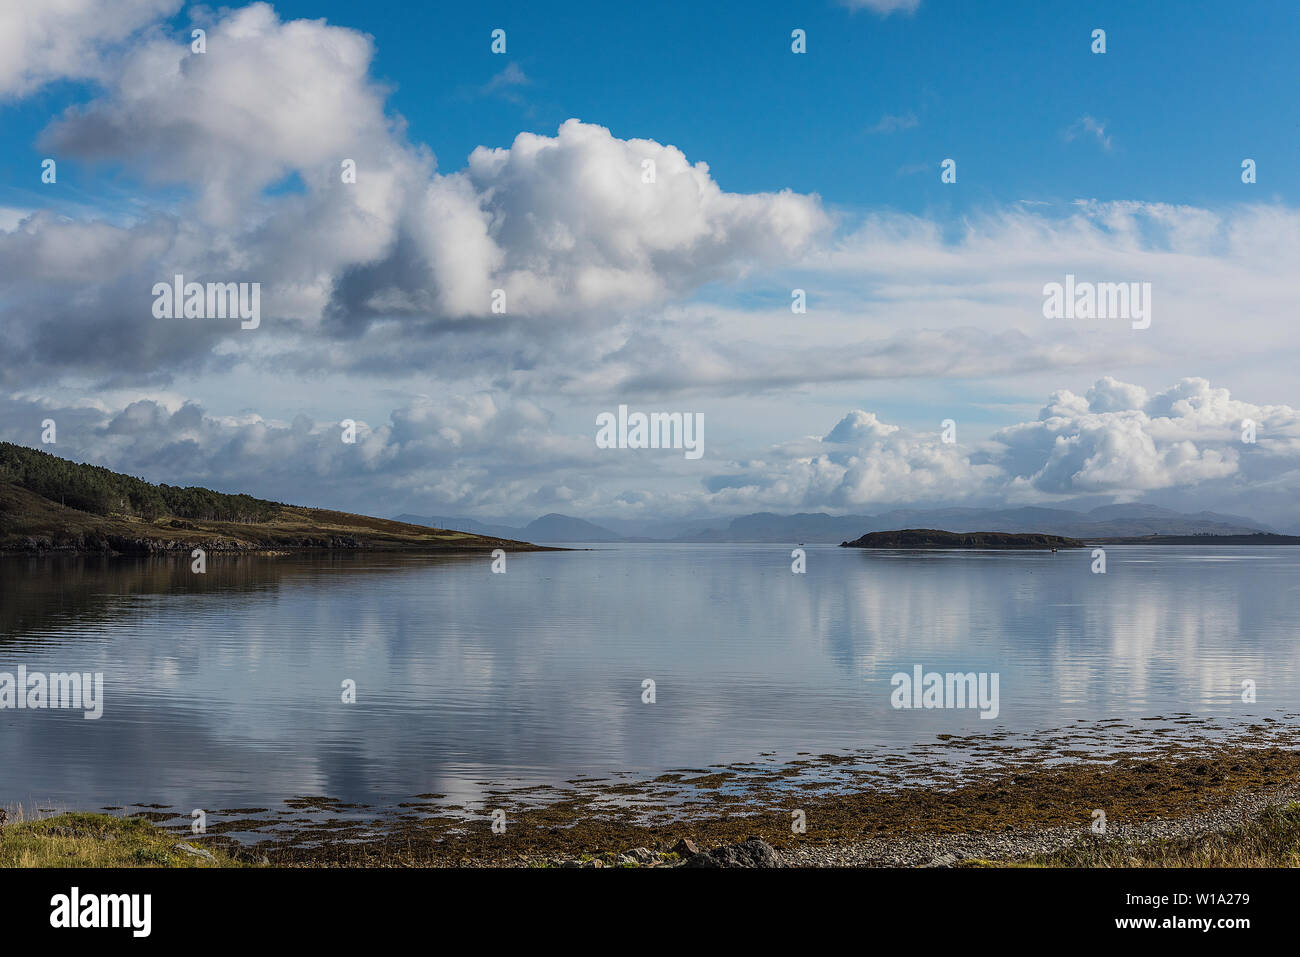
x,y
1112,794
974,799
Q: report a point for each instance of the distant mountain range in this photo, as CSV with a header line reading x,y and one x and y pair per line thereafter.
x,y
549,528
1108,521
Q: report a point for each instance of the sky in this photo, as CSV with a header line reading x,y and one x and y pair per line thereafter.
x,y
524,172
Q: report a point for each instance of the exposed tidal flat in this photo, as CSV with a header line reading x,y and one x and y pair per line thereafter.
x,y
1179,792
522,693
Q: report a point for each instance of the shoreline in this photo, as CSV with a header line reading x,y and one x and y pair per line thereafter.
x,y
1020,845
218,549
1026,804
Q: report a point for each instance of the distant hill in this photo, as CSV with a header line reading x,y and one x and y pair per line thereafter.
x,y
549,528
461,524
49,503
770,527
935,538
1259,538
1112,521
562,528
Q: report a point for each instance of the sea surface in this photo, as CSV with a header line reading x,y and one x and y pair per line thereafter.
x,y
226,690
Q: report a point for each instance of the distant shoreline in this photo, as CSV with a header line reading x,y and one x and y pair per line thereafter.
x,y
913,538
74,542
118,547
1259,538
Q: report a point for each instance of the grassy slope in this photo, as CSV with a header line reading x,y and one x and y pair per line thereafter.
x,y
25,515
97,840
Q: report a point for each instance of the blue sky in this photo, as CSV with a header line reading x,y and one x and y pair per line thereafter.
x,y
777,171
1185,91
993,85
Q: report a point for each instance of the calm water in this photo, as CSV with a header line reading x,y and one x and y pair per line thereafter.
x,y
224,690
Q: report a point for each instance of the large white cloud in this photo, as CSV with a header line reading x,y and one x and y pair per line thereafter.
x,y
266,99
1116,441
580,225
45,40
567,225
1119,440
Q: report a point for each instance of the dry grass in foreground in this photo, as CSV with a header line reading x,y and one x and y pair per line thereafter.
x,y
97,840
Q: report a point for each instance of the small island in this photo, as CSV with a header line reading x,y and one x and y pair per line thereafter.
x,y
936,538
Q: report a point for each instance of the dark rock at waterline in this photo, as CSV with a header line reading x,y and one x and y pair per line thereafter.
x,y
754,852
685,848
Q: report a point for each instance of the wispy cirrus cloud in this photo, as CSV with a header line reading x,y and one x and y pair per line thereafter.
x,y
889,123
883,7
1088,126
507,83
